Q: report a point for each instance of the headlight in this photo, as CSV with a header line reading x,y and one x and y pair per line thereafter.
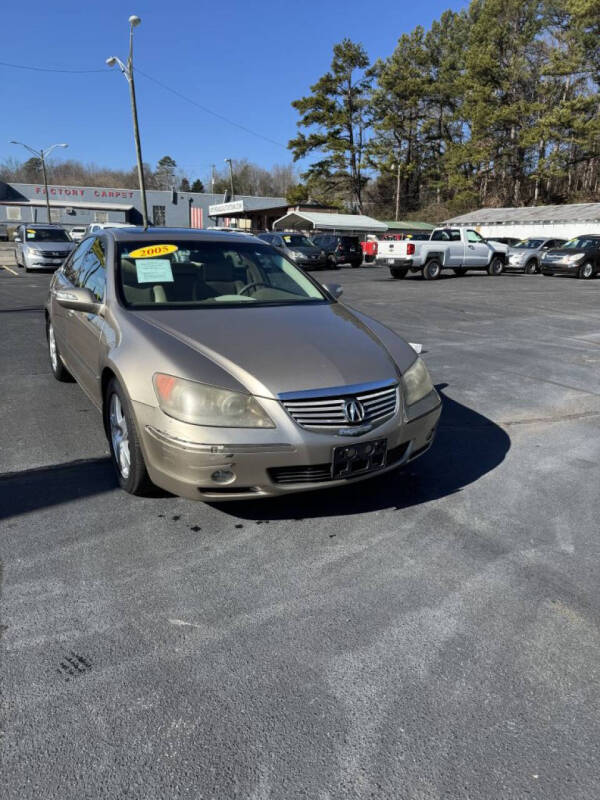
x,y
575,258
33,252
296,254
200,404
416,382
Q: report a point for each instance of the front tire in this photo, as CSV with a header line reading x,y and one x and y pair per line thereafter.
x,y
125,450
531,268
586,271
369,259
60,372
432,270
496,267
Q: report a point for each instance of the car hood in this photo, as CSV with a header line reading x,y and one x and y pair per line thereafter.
x,y
522,251
566,251
308,251
278,349
62,246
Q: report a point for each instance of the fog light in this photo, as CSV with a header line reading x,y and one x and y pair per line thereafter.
x,y
223,476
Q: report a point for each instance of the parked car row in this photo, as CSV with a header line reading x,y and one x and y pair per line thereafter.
x,y
464,249
319,251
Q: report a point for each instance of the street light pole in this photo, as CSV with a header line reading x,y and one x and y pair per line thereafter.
x,y
42,155
127,70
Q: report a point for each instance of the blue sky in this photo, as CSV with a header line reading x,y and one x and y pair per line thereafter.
x,y
244,60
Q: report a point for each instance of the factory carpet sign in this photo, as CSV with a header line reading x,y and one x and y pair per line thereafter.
x,y
87,194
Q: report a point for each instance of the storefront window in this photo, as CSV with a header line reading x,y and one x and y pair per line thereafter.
x,y
159,215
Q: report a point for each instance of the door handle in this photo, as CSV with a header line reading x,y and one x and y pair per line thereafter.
x,y
471,247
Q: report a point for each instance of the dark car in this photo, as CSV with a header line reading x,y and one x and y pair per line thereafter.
x,y
340,248
297,247
579,257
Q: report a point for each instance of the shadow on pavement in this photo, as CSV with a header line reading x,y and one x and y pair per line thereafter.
x,y
468,445
33,489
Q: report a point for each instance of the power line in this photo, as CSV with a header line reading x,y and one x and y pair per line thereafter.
x,y
208,110
52,69
158,83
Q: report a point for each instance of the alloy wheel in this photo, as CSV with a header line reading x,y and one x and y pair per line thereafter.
x,y
52,347
119,435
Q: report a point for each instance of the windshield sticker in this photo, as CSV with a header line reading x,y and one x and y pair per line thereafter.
x,y
30,233
153,250
158,270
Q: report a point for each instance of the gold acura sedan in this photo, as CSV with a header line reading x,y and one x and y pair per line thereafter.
x,y
225,372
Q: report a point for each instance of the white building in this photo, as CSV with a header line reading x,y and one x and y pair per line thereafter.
x,y
564,221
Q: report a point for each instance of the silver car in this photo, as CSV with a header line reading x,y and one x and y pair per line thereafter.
x,y
527,254
223,371
41,246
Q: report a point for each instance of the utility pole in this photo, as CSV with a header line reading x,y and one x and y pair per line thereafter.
x,y
212,177
127,70
228,161
42,155
397,191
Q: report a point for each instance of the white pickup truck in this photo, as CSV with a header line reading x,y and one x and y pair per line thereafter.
x,y
458,249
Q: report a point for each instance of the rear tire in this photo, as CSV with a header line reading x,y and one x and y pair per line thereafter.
x,y
496,267
355,264
460,272
369,259
586,271
60,372
531,267
432,270
398,274
126,453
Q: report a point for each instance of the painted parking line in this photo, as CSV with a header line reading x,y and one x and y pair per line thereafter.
x,y
9,269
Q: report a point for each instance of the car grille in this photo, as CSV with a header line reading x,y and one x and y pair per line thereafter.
x,y
313,473
331,412
55,254
319,473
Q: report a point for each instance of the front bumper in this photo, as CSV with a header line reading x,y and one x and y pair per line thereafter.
x,y
182,458
560,267
310,263
41,262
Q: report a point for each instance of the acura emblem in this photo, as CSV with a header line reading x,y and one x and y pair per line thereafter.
x,y
354,411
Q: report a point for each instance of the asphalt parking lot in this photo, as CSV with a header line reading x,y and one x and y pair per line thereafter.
x,y
434,634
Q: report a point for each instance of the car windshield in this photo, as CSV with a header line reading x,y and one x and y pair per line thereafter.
x,y
174,273
46,235
530,244
297,240
580,243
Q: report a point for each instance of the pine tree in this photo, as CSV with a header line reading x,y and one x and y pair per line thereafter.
x,y
335,114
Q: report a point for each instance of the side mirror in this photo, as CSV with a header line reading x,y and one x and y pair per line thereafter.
x,y
334,289
78,299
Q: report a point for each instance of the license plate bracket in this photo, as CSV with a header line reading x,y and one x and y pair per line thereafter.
x,y
358,458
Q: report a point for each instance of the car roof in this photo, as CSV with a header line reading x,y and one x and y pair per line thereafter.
x,y
156,234
43,225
